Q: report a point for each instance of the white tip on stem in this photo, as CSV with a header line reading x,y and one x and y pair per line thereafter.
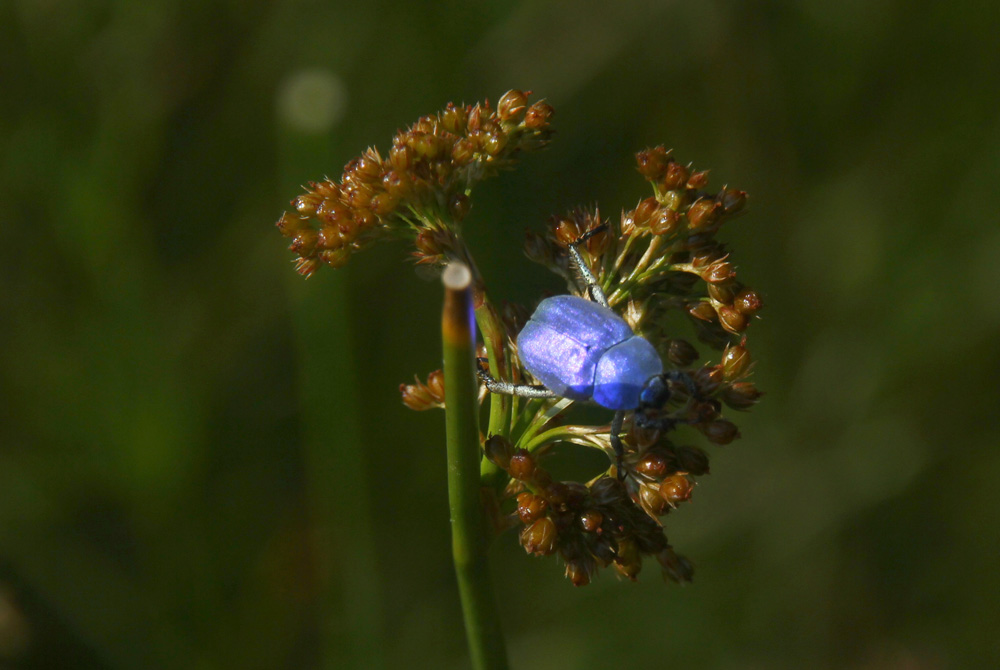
x,y
456,276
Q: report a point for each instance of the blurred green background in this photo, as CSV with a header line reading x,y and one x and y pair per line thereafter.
x,y
204,460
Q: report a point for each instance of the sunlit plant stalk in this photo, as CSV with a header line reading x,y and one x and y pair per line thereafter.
x,y
469,530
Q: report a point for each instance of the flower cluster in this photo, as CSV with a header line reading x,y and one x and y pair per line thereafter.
x,y
421,189
419,396
658,260
661,257
587,525
660,249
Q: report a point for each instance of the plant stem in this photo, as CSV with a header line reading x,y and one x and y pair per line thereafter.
x,y
469,529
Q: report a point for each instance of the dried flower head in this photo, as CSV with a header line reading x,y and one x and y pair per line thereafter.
x,y
660,258
420,189
657,260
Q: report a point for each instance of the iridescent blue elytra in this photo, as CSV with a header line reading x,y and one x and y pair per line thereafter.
x,y
582,350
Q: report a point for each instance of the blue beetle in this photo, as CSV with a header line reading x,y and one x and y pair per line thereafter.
x,y
582,350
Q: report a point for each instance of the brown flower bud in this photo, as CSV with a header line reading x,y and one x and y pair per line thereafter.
x,y
702,310
367,169
304,242
540,537
732,200
591,521
530,507
494,142
676,489
681,353
698,180
335,258
655,463
498,450
511,105
707,379
748,302
692,459
664,222
420,143
720,431
431,245
741,395
326,188
475,118
402,157
364,218
735,361
651,500
395,184
732,319
359,197
333,211
567,231
383,204
538,116
581,570
329,238
652,163
289,224
722,292
307,203
454,119
628,561
464,152
676,176
415,396
522,465
703,213
644,211
421,396
718,272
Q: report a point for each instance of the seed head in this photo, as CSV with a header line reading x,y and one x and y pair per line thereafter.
x,y
426,177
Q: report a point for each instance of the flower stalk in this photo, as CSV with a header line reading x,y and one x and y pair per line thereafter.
x,y
661,260
470,533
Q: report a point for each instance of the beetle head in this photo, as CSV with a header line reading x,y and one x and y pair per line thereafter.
x,y
654,394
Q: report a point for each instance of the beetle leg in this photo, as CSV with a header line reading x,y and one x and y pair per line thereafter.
x,y
506,388
616,443
683,378
594,289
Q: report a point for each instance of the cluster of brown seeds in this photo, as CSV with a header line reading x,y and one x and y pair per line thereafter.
x,y
587,525
421,187
419,396
661,257
661,248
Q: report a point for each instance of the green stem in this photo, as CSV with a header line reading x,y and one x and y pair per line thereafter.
x,y
469,528
493,338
